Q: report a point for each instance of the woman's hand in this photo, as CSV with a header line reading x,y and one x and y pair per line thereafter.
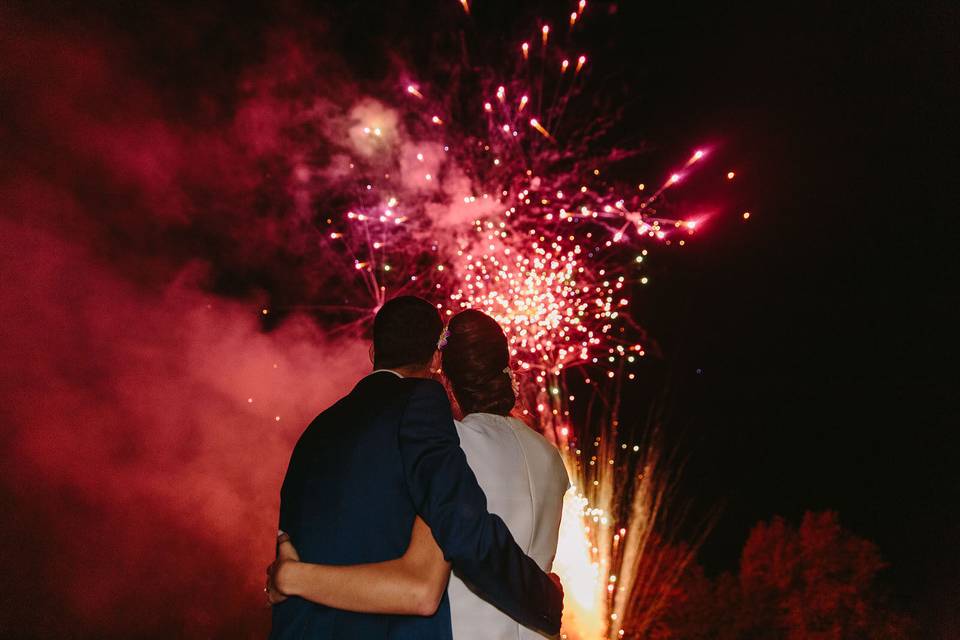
x,y
278,573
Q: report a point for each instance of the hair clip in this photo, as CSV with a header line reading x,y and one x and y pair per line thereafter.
x,y
444,338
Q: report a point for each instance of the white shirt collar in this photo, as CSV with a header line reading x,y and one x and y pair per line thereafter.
x,y
386,371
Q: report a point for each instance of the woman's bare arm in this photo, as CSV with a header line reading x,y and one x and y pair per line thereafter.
x,y
412,584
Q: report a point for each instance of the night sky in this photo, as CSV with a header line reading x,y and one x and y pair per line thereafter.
x,y
821,332
819,329
805,352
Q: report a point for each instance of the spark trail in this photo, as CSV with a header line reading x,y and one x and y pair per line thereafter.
x,y
497,199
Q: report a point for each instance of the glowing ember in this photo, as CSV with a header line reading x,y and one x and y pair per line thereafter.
x,y
480,211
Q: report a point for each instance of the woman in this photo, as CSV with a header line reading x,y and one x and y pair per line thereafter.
x,y
520,472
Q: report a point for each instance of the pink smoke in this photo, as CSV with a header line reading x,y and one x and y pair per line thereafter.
x,y
142,429
141,448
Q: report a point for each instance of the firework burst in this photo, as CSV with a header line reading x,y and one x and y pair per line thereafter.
x,y
494,197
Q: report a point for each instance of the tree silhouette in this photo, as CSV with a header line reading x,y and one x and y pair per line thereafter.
x,y
818,582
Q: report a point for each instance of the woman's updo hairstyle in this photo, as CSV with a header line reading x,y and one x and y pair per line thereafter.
x,y
476,361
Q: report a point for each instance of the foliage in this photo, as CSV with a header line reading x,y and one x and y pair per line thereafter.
x,y
815,582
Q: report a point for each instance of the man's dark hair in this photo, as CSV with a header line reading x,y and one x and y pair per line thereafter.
x,y
405,333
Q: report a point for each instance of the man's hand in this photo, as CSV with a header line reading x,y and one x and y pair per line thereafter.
x,y
278,570
556,580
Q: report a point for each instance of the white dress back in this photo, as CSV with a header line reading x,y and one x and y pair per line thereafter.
x,y
524,479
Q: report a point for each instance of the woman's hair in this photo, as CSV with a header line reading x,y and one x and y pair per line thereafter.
x,y
476,361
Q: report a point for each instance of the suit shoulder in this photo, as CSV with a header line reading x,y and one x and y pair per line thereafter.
x,y
426,406
315,429
425,387
333,410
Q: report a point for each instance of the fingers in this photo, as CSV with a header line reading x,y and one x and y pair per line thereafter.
x,y
272,575
556,580
286,551
274,596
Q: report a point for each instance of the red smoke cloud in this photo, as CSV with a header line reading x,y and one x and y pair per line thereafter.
x,y
142,450
140,447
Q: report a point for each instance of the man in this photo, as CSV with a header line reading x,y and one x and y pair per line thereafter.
x,y
367,466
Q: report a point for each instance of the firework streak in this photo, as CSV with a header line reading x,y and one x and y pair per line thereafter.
x,y
491,195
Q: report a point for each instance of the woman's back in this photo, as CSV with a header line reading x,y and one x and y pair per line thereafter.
x,y
524,480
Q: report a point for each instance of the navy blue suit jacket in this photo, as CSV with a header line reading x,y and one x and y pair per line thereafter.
x,y
358,477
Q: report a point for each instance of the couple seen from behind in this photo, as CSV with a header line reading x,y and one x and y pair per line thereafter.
x,y
386,493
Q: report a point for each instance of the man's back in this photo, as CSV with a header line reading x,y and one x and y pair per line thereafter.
x,y
345,501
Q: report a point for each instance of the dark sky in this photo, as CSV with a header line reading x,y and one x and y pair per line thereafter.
x,y
820,328
806,352
822,331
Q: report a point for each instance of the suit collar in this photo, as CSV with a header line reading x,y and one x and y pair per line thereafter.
x,y
379,379
376,371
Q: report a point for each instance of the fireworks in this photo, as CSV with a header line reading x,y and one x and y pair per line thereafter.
x,y
503,206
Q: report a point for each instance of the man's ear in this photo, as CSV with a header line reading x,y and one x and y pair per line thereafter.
x,y
371,354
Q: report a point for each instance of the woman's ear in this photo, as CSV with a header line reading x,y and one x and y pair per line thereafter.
x,y
370,352
436,362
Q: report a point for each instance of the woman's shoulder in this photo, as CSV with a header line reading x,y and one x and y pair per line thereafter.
x,y
508,427
538,445
542,456
528,434
478,421
483,428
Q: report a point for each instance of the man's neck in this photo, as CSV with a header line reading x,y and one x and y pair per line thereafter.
x,y
408,372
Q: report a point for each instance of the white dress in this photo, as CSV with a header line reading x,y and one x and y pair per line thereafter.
x,y
524,479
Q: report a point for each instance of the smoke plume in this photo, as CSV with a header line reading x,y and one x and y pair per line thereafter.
x,y
149,209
